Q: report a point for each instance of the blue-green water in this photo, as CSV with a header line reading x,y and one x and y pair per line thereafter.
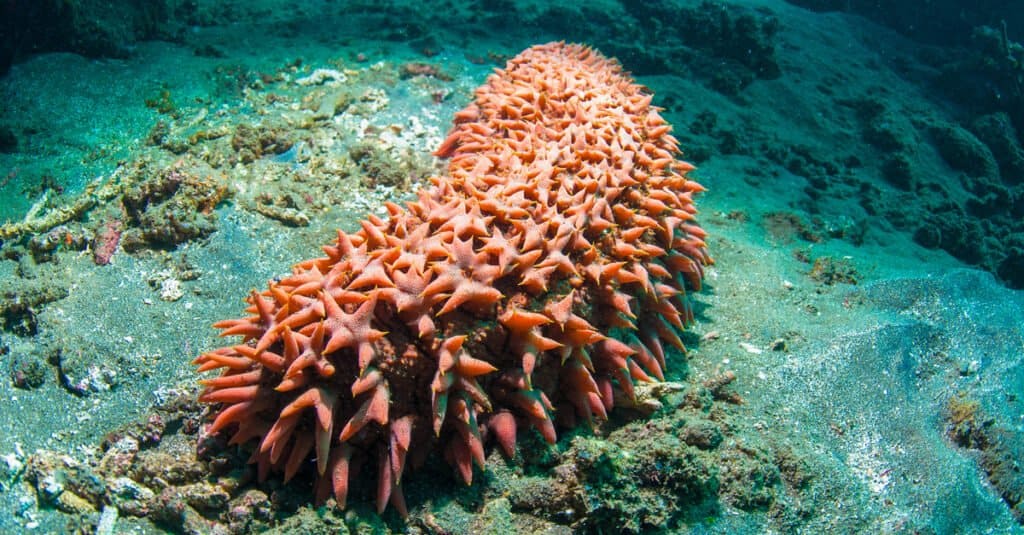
x,y
865,202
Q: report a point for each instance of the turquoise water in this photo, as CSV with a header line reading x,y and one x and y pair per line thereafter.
x,y
865,183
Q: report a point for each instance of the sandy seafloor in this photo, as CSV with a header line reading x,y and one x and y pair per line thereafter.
x,y
852,379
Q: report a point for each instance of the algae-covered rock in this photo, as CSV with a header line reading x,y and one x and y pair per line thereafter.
x,y
830,271
252,143
963,151
749,477
647,475
898,170
21,300
28,371
1001,448
888,131
378,166
996,130
249,512
53,475
172,207
84,370
130,497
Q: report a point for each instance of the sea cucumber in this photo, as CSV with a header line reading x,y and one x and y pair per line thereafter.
x,y
543,272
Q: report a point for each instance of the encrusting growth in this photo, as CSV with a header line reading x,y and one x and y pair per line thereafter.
x,y
543,272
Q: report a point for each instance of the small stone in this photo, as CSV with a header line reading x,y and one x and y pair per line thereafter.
x,y
170,290
71,503
119,457
28,372
969,368
750,348
321,76
25,506
131,497
712,335
702,434
126,489
51,487
205,496
108,521
11,467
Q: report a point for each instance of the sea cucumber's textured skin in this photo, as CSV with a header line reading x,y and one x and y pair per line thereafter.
x,y
543,273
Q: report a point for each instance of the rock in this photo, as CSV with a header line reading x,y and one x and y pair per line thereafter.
x,y
997,132
962,151
130,496
119,457
71,503
702,434
108,521
888,131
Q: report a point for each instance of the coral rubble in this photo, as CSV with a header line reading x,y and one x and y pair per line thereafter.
x,y
534,282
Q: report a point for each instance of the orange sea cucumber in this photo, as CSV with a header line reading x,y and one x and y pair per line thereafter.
x,y
543,272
